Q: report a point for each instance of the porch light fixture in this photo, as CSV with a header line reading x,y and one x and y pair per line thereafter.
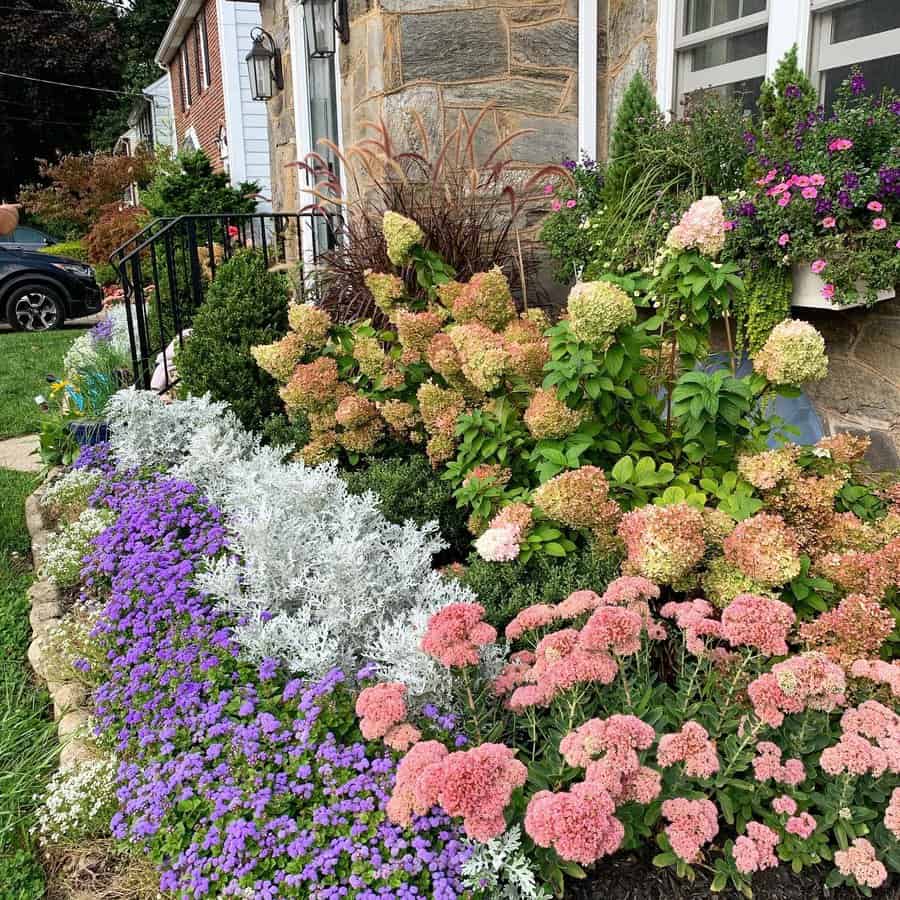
x,y
324,19
264,65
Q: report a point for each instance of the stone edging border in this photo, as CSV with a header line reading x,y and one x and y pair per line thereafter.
x,y
71,707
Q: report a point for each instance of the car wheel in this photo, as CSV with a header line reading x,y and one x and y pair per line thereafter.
x,y
35,307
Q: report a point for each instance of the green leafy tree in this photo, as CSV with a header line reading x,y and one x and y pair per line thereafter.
x,y
786,98
637,114
246,305
189,185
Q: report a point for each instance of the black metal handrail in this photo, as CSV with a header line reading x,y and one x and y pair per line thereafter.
x,y
165,268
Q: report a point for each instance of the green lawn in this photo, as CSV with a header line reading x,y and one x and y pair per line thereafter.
x,y
27,734
25,361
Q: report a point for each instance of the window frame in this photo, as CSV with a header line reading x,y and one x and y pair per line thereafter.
x,y
687,81
202,39
826,55
184,71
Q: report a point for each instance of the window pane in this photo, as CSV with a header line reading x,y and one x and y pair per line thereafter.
x,y
729,49
747,92
28,235
878,73
701,14
865,17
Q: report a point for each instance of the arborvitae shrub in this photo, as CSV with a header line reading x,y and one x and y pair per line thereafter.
x,y
637,114
245,305
785,100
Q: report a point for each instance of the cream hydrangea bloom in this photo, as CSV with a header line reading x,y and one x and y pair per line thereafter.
x,y
794,353
401,235
597,309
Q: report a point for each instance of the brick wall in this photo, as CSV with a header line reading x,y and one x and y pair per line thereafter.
x,y
206,113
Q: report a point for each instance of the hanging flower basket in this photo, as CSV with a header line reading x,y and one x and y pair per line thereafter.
x,y
807,291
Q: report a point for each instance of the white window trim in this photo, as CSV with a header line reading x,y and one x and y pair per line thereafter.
x,y
184,73
203,42
588,48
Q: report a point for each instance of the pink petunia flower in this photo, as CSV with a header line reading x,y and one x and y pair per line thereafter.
x,y
729,225
784,199
810,193
839,144
548,188
571,203
829,222
818,179
828,291
556,206
874,206
784,239
879,224
818,266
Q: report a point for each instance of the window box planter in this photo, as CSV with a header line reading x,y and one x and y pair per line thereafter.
x,y
807,292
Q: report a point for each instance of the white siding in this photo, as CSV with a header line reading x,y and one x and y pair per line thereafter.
x,y
245,118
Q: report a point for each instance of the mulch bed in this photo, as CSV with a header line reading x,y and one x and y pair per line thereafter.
x,y
630,878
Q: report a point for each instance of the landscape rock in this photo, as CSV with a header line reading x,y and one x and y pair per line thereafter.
x,y
73,724
68,697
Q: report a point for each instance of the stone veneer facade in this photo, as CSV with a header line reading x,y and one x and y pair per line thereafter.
x,y
443,58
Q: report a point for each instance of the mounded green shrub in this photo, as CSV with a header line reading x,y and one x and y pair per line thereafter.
x,y
410,489
71,249
505,589
245,305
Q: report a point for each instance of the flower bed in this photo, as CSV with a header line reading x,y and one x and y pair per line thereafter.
x,y
638,718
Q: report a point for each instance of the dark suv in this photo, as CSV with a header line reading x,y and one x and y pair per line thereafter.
x,y
39,292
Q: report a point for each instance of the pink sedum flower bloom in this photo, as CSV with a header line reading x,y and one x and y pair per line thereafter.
x,y
614,629
754,851
759,622
858,861
455,633
892,814
692,823
803,825
380,708
402,737
693,747
540,615
784,804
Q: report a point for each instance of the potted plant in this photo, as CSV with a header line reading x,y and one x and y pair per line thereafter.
x,y
826,201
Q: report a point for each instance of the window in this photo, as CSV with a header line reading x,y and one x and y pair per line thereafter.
x,y
202,43
864,33
323,124
721,45
185,75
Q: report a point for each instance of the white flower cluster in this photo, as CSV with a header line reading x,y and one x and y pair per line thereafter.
x,y
83,354
500,868
318,575
72,639
64,555
67,496
79,803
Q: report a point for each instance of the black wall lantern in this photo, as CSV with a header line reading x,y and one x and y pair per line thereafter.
x,y
264,65
324,19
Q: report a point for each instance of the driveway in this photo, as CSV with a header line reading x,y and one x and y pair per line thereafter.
x,y
86,322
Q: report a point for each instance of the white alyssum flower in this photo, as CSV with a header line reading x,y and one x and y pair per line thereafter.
x,y
64,555
70,492
79,803
500,868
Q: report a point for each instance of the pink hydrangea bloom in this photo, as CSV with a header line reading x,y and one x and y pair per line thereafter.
x,y
613,629
578,824
754,851
784,804
859,862
692,823
380,708
760,622
455,633
500,544
664,543
692,746
765,549
701,227
803,825
530,619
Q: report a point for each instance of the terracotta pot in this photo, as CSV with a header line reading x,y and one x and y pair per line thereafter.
x,y
9,218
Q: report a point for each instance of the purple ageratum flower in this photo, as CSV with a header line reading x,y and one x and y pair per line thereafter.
x,y
102,332
251,782
857,83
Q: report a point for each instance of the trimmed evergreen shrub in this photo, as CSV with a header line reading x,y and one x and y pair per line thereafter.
x,y
507,588
245,305
410,489
786,99
637,114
